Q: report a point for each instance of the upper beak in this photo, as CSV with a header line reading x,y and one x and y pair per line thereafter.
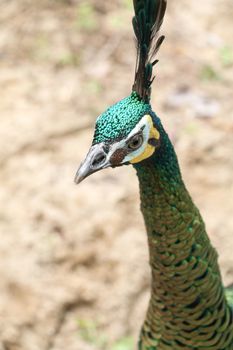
x,y
95,160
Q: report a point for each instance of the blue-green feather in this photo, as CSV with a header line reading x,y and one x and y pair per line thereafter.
x,y
118,120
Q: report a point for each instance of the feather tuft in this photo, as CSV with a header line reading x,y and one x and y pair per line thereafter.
x,y
147,21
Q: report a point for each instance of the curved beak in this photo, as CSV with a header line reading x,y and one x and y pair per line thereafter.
x,y
95,160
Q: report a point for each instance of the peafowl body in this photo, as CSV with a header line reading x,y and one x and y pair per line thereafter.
x,y
189,307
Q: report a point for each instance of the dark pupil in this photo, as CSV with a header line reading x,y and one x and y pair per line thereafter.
x,y
135,142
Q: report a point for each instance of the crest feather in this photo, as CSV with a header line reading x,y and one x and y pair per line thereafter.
x,y
147,21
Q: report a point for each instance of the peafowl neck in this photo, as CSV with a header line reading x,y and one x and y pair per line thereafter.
x,y
188,307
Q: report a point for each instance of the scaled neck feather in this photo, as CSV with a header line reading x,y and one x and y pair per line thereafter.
x,y
187,304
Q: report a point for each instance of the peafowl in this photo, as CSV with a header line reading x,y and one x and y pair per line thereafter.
x,y
189,307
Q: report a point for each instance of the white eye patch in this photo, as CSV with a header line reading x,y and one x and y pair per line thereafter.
x,y
144,125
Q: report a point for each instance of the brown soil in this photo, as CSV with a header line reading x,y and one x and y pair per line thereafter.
x,y
74,263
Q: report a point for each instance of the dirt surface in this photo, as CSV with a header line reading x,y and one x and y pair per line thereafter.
x,y
74,263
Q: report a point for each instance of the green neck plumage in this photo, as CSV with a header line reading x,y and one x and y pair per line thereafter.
x,y
188,305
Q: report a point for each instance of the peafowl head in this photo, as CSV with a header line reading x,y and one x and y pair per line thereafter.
x,y
126,133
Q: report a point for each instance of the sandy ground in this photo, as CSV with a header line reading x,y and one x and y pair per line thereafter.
x,y
74,263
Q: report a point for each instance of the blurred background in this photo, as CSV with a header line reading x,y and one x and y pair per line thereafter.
x,y
73,260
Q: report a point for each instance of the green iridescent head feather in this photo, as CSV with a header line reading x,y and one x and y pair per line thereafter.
x,y
118,120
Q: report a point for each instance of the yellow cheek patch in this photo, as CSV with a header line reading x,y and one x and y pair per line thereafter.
x,y
149,150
